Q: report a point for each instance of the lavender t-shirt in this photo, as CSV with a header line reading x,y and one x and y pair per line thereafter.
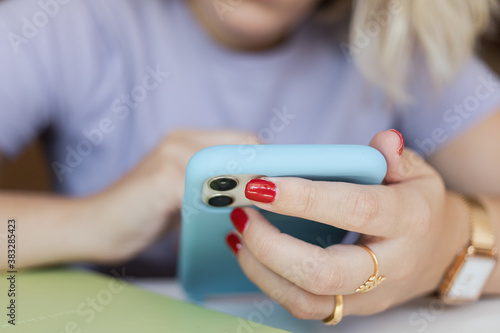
x,y
105,81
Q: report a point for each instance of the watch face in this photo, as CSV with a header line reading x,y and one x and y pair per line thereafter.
x,y
471,278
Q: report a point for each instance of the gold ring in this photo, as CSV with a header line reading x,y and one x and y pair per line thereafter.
x,y
338,312
374,280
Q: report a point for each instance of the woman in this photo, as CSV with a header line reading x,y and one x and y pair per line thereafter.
x,y
113,85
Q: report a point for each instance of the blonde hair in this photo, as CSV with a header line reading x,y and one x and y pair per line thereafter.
x,y
385,36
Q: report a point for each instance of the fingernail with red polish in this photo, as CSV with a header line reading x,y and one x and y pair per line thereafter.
x,y
239,219
260,190
402,141
234,243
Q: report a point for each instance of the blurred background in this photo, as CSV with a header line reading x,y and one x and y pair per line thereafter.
x,y
31,170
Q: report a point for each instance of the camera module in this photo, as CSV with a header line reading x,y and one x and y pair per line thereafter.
x,y
220,200
223,184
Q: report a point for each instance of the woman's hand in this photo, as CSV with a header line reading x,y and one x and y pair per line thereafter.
x,y
410,222
144,204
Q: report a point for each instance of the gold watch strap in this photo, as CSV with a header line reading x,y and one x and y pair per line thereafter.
x,y
482,234
463,283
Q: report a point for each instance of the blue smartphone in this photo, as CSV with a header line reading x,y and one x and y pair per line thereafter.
x,y
215,181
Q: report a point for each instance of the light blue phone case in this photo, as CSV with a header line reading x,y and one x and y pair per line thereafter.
x,y
207,266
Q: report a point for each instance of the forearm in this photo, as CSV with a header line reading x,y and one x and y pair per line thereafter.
x,y
493,206
49,229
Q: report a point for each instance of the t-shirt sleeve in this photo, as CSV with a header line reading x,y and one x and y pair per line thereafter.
x,y
25,79
52,57
434,120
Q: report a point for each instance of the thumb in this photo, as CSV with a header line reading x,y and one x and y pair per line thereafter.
x,y
402,163
391,144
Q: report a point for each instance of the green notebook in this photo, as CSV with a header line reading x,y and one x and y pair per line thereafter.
x,y
70,301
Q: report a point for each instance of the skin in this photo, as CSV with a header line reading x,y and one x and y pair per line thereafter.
x,y
413,222
251,25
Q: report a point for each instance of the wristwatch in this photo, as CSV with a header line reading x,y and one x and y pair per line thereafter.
x,y
469,273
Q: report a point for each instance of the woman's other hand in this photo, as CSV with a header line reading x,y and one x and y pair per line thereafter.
x,y
145,203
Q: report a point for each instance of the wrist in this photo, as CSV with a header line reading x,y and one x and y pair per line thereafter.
x,y
75,230
466,278
493,207
89,234
111,224
457,230
458,223
132,214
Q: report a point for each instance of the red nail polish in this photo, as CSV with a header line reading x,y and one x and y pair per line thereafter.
x,y
260,190
401,139
239,219
234,243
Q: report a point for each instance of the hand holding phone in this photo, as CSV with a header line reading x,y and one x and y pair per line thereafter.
x,y
215,182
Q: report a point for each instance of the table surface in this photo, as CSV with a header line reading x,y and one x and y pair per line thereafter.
x,y
422,315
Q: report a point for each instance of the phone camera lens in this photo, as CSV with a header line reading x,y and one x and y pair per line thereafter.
x,y
220,201
223,184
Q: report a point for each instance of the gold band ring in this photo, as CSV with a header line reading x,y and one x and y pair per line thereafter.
x,y
374,280
338,312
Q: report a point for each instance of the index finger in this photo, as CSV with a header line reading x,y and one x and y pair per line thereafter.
x,y
367,209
